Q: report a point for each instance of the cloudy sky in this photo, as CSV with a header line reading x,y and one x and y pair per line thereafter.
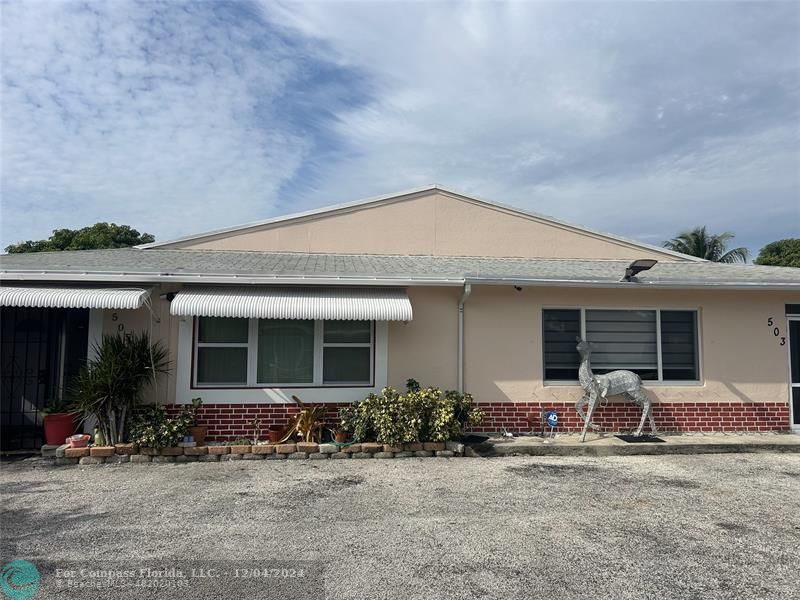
x,y
637,118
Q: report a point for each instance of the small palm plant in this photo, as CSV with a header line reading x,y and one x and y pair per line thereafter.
x,y
698,242
111,385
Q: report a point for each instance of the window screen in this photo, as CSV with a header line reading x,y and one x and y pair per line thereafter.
x,y
623,339
561,360
679,345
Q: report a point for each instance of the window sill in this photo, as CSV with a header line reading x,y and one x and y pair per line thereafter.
x,y
557,383
327,386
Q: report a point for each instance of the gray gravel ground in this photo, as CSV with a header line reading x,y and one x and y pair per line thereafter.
x,y
703,526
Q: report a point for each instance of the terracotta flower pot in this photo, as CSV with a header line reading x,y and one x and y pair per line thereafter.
x,y
341,436
275,434
58,427
199,432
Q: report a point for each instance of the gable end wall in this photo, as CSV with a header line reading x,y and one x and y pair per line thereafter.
x,y
432,223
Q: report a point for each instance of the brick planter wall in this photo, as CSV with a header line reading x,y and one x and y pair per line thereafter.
x,y
230,421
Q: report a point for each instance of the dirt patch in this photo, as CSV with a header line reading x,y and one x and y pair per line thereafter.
x,y
327,487
733,527
677,482
551,470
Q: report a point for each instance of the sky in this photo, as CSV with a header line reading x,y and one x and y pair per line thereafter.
x,y
640,119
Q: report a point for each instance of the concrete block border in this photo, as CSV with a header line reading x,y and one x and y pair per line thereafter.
x,y
130,453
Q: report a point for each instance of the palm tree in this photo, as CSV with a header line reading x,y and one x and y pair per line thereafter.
x,y
698,242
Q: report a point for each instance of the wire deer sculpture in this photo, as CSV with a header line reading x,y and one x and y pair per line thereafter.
x,y
616,383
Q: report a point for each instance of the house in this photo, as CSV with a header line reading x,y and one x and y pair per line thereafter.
x,y
333,304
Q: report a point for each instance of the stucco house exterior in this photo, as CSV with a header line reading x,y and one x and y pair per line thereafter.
x,y
461,293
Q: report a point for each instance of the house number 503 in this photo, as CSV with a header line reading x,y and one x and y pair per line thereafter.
x,y
776,331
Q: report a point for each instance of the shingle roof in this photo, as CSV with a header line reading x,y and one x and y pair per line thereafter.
x,y
222,266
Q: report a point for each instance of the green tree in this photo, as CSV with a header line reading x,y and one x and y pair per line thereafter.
x,y
698,242
782,253
94,237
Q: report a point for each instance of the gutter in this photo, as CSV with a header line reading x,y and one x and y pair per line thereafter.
x,y
188,278
196,278
464,296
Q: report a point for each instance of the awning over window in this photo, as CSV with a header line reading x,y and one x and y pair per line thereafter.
x,y
352,304
73,297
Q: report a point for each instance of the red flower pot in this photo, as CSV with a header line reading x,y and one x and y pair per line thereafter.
x,y
199,433
275,434
58,427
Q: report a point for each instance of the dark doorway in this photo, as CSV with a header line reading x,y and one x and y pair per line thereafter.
x,y
794,375
41,350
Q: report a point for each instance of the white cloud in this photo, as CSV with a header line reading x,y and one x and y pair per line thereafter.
x,y
141,113
640,119
630,118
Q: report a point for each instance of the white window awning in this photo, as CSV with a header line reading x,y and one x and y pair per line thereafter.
x,y
351,304
73,297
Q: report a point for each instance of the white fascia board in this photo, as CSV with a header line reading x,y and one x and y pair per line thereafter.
x,y
380,281
641,285
226,279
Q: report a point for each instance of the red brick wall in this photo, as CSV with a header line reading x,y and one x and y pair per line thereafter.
x,y
230,421
669,417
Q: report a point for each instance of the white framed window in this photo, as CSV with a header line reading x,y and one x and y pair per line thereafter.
x,y
222,351
282,353
659,345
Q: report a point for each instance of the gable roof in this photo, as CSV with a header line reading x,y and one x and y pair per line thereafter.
x,y
400,196
235,267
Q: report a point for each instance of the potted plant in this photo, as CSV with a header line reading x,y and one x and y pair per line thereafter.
x,y
275,433
340,435
58,422
198,432
256,425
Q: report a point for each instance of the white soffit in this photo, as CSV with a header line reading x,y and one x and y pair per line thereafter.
x,y
73,297
351,304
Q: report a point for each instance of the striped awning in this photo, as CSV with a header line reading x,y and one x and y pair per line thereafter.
x,y
352,304
73,297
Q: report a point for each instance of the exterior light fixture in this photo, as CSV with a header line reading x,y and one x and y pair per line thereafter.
x,y
637,266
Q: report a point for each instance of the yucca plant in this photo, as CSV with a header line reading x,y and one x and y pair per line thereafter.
x,y
110,385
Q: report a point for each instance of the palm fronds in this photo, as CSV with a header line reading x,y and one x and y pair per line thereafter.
x,y
698,242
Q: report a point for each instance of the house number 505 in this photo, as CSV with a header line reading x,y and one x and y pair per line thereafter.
x,y
776,331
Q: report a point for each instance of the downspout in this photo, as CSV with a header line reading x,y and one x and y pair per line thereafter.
x,y
465,295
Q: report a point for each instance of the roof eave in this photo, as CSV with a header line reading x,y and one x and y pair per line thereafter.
x,y
384,280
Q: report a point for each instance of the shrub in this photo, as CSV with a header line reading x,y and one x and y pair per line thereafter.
x,y
420,414
151,427
110,386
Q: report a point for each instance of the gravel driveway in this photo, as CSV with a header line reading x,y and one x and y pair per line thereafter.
x,y
703,526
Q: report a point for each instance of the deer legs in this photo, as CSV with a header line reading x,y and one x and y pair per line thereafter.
x,y
594,400
641,398
580,408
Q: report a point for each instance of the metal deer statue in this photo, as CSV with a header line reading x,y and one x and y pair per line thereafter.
x,y
598,387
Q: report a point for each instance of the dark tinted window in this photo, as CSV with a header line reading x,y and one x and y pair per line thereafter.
x,y
561,360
